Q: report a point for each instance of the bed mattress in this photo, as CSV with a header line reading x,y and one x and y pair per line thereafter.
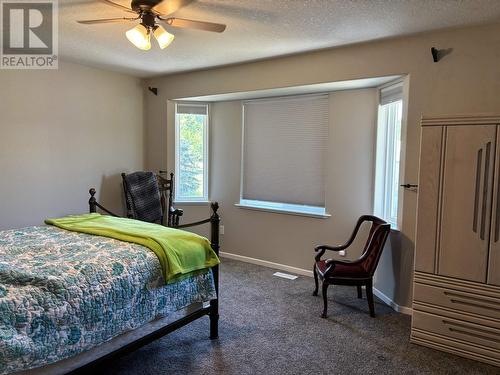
x,y
63,293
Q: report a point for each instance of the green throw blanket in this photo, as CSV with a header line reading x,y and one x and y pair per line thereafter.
x,y
179,252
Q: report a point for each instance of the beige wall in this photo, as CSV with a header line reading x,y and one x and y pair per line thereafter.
x,y
349,188
465,81
62,132
282,238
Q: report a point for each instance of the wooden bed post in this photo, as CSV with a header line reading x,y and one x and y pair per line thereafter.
x,y
214,304
92,201
94,205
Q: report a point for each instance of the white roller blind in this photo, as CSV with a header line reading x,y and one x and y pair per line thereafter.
x,y
192,109
391,93
284,150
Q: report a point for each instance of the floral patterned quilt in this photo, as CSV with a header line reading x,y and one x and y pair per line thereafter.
x,y
62,293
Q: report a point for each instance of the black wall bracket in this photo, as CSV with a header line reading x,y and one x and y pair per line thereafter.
x,y
154,90
438,54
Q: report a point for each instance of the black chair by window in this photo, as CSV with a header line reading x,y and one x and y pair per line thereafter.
x,y
149,197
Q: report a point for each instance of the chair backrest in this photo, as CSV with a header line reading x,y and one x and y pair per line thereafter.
x,y
166,186
375,243
142,196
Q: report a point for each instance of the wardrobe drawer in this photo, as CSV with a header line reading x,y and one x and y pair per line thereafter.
x,y
479,334
467,301
464,349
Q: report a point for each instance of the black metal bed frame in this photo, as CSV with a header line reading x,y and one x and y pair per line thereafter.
x,y
212,311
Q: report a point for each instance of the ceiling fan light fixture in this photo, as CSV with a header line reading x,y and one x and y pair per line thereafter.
x,y
140,37
163,37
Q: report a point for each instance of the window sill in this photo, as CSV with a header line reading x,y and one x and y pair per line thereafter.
x,y
394,227
282,211
192,203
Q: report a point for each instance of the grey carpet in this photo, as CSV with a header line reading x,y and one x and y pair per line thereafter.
x,y
270,325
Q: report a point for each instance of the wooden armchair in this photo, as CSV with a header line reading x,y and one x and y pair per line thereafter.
x,y
358,272
149,197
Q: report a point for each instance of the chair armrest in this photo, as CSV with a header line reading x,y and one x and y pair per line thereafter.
x,y
320,250
175,215
177,211
333,248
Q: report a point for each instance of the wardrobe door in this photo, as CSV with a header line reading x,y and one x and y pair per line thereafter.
x,y
428,198
494,256
466,202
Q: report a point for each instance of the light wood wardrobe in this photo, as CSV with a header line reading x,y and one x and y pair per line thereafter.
x,y
456,295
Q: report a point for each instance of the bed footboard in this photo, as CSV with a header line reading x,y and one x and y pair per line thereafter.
x,y
212,311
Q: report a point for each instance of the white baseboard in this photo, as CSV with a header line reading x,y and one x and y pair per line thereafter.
x,y
401,309
265,263
303,272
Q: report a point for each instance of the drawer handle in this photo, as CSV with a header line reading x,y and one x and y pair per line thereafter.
x,y
476,193
472,301
477,332
485,189
497,210
474,335
474,304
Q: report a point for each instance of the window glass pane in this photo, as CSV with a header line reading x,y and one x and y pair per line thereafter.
x,y
388,161
191,153
396,149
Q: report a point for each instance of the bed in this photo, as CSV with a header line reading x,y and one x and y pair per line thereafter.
x,y
70,300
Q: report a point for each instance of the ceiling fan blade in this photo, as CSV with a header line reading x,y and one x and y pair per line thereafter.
x,y
119,6
191,24
167,7
107,20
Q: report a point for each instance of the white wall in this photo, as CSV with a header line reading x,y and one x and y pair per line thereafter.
x,y
465,81
62,132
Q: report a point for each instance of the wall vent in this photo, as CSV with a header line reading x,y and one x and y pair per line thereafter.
x,y
285,275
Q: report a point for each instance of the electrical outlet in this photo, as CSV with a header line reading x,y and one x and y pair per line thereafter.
x,y
342,253
221,229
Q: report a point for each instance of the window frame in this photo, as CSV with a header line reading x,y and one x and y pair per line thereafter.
x,y
206,154
385,152
268,206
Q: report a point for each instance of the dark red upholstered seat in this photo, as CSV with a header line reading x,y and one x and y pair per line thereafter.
x,y
342,270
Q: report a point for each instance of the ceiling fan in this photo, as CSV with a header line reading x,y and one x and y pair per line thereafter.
x,y
150,13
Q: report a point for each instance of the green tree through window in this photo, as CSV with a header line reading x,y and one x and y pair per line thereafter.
x,y
191,155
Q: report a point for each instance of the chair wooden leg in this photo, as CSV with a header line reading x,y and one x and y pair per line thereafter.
x,y
369,297
315,273
324,290
360,293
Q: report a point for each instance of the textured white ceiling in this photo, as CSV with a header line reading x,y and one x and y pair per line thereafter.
x,y
256,29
